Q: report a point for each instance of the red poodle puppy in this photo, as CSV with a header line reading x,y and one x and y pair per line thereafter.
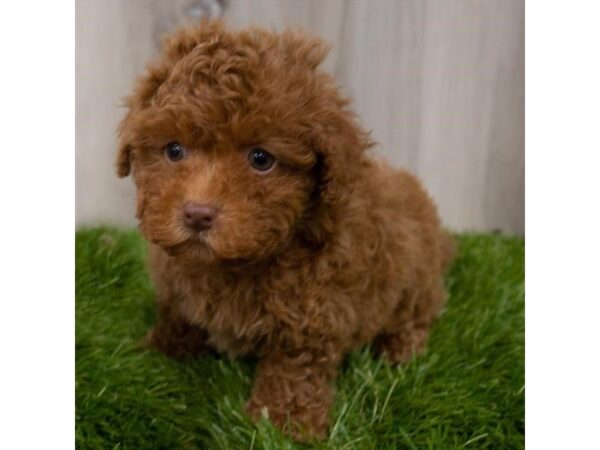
x,y
272,230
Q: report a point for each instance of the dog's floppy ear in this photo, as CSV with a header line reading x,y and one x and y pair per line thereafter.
x,y
340,148
123,160
144,92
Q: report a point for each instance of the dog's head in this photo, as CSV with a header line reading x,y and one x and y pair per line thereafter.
x,y
238,145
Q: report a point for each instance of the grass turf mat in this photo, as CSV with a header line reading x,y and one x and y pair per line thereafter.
x,y
466,391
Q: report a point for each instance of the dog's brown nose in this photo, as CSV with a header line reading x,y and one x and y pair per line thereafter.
x,y
199,216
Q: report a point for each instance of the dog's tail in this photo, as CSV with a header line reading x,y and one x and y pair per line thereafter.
x,y
448,249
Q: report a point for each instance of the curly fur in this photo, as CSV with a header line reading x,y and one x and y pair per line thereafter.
x,y
329,251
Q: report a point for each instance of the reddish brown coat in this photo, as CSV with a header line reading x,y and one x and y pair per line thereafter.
x,y
329,251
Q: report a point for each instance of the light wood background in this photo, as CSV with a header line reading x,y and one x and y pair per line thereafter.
x,y
440,83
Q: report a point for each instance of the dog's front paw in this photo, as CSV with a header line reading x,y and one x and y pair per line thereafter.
x,y
303,422
399,348
295,394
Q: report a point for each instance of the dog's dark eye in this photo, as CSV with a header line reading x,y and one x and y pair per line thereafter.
x,y
174,151
260,159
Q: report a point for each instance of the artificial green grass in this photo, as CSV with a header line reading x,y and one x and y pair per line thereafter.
x,y
466,391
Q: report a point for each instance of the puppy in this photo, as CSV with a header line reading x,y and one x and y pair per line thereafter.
x,y
272,232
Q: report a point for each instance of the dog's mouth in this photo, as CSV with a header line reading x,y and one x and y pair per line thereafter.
x,y
192,252
195,245
176,249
